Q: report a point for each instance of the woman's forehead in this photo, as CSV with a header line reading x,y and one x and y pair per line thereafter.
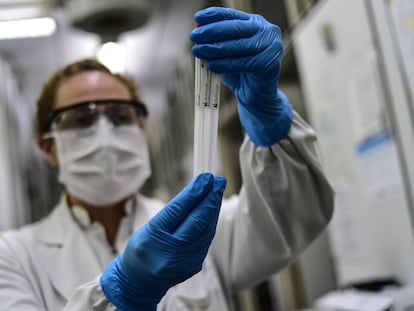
x,y
90,85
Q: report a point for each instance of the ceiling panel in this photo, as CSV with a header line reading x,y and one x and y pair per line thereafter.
x,y
151,49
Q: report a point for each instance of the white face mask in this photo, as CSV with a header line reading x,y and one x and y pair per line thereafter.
x,y
105,164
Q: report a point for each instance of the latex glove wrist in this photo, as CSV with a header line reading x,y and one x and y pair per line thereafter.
x,y
167,250
119,294
266,121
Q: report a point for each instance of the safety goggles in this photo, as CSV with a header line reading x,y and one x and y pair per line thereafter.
x,y
85,115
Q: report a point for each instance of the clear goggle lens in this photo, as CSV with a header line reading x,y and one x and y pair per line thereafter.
x,y
85,115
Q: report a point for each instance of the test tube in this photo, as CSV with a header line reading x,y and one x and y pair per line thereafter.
x,y
207,101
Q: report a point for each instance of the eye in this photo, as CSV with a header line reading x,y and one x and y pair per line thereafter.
x,y
122,115
79,119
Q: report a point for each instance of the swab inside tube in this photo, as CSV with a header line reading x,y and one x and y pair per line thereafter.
x,y
207,101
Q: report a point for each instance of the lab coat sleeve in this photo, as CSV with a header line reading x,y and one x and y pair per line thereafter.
x,y
284,203
89,296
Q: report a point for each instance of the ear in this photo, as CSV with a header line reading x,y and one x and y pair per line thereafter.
x,y
47,145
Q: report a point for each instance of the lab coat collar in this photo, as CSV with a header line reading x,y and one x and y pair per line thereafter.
x,y
74,263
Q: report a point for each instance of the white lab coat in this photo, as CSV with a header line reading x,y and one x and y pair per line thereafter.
x,y
285,202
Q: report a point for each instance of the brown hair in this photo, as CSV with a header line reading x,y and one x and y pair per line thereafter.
x,y
46,101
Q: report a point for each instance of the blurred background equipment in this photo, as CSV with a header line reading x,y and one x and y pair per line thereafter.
x,y
108,18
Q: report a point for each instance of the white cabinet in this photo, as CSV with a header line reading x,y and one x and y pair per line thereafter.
x,y
356,96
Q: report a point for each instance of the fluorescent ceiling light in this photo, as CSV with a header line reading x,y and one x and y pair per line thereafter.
x,y
113,55
21,12
27,28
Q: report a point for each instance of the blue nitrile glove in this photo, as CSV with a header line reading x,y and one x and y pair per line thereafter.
x,y
167,250
246,50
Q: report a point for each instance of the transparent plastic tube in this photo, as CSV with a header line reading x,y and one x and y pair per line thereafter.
x,y
207,101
